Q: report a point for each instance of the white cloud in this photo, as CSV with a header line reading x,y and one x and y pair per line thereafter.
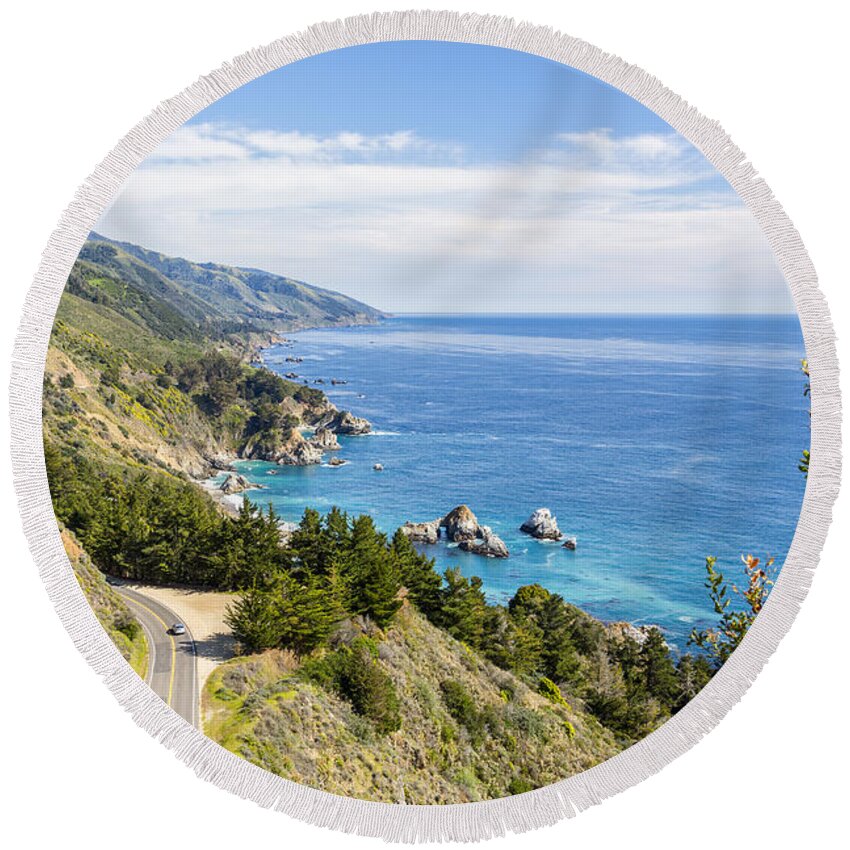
x,y
592,223
217,142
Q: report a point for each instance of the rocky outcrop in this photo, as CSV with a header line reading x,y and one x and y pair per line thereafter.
x,y
460,524
221,462
298,452
542,525
337,461
325,439
488,544
344,422
422,532
620,632
571,543
235,483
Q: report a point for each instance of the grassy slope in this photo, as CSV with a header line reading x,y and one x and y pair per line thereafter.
x,y
118,622
265,709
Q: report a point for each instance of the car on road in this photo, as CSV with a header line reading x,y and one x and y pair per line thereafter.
x,y
178,629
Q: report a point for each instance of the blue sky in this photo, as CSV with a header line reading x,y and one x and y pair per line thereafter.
x,y
496,103
429,176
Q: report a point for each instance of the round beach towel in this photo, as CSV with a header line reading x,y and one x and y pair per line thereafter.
x,y
438,420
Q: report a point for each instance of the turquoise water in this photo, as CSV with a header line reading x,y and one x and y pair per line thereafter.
x,y
655,440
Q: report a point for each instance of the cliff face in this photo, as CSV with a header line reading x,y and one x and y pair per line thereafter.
x,y
467,730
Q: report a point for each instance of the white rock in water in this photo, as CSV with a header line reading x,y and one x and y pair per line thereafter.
x,y
422,532
542,525
378,467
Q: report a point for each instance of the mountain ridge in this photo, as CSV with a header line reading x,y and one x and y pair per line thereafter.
x,y
268,301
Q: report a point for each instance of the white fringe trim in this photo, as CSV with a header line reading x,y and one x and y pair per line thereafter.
x,y
468,821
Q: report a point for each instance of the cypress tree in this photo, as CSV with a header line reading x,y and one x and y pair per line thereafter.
x,y
658,669
417,574
370,573
464,608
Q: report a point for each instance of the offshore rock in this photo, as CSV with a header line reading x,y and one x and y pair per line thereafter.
x,y
344,422
235,483
542,525
488,544
422,532
325,439
460,524
298,452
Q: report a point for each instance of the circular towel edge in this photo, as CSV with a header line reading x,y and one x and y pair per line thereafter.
x,y
464,821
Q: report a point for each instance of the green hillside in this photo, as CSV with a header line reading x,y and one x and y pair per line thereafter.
x,y
466,729
222,295
118,622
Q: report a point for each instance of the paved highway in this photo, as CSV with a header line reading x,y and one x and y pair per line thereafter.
x,y
172,662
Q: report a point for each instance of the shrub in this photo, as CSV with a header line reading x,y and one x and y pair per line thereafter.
x,y
519,786
552,692
462,708
354,674
128,627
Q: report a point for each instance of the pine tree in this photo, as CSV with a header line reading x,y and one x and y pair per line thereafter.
x,y
692,675
658,669
370,573
417,574
464,608
254,620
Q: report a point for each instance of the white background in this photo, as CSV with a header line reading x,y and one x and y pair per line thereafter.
x,y
77,76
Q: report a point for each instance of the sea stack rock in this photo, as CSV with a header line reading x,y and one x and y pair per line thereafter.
x,y
344,422
234,483
542,525
488,544
325,439
422,532
570,543
460,524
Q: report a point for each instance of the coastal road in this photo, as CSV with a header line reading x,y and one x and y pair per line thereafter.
x,y
172,665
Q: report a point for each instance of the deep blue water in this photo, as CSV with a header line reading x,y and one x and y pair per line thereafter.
x,y
655,440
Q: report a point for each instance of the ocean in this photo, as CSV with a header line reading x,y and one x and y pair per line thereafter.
x,y
655,440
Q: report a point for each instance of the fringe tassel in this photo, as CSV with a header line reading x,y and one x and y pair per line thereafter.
x,y
469,821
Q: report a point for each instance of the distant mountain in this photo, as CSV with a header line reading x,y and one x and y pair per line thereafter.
x,y
219,295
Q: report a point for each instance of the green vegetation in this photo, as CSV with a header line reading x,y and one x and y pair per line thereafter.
x,y
337,569
721,641
112,613
402,714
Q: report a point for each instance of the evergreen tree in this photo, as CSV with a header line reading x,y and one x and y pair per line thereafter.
x,y
658,669
254,620
417,574
370,573
464,608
